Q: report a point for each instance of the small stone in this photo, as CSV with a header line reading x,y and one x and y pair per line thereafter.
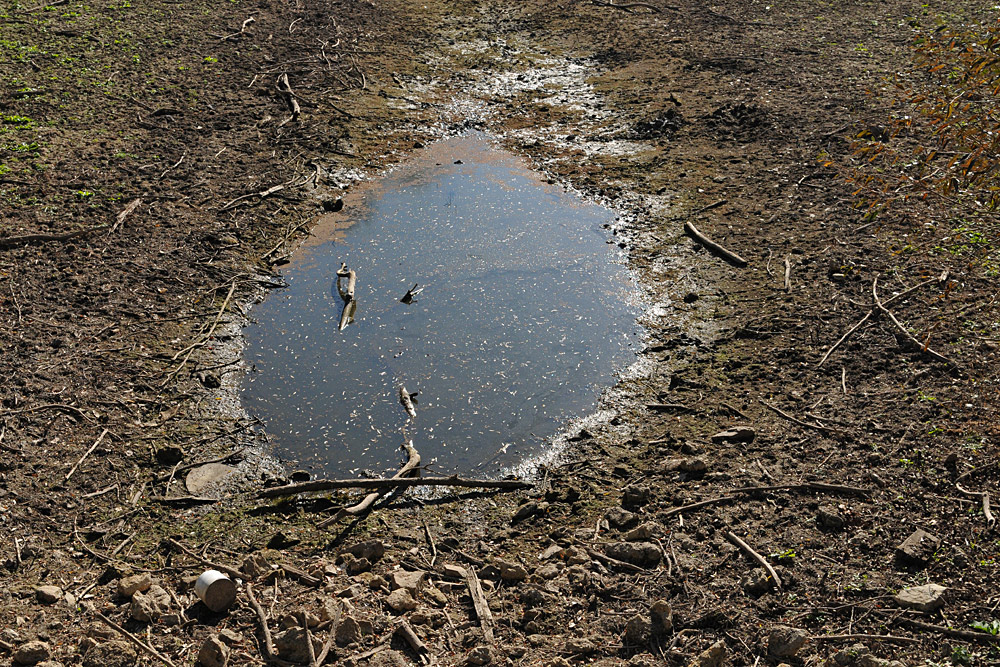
x,y
436,597
358,565
757,583
550,551
849,656
785,642
149,606
663,617
693,467
48,594
373,550
453,571
713,656
348,632
255,565
481,655
734,435
32,653
579,576
928,597
643,554
388,658
828,518
620,518
204,477
547,571
116,653
641,532
512,571
918,548
128,586
291,645
401,601
575,556
635,496
580,646
637,630
411,581
213,653
230,637
525,511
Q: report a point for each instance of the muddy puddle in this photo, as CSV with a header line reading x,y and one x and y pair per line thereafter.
x,y
522,316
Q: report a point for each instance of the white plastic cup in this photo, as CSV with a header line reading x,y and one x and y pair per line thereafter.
x,y
216,590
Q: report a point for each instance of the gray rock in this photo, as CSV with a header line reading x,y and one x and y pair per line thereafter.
x,y
643,554
129,586
547,571
48,594
635,495
638,630
917,549
32,653
641,532
230,637
621,519
149,606
849,656
388,658
581,646
713,656
435,596
827,517
291,645
213,653
202,478
115,653
411,581
693,467
481,655
575,556
400,601
512,571
928,597
785,642
662,616
525,511
348,632
735,435
370,549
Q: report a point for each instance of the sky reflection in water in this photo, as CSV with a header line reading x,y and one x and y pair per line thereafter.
x,y
524,316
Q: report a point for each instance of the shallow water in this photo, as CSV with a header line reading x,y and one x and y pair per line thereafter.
x,y
524,316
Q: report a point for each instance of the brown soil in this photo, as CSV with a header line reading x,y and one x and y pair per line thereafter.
x,y
662,114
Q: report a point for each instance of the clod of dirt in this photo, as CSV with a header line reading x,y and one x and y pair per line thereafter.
x,y
638,630
635,496
785,642
662,125
348,632
149,606
642,532
115,653
401,601
48,594
828,518
129,586
928,597
370,549
512,571
201,478
713,656
213,652
291,645
662,616
31,653
740,122
411,581
581,646
643,554
917,549
481,655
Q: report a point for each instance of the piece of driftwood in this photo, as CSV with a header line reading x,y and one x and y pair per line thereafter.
x,y
387,483
334,624
748,550
981,637
302,576
479,603
347,294
725,253
406,400
405,631
347,314
888,639
262,619
285,88
124,213
920,346
87,453
135,640
409,468
788,274
27,239
984,496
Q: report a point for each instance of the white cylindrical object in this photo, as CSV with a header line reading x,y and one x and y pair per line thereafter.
x,y
216,590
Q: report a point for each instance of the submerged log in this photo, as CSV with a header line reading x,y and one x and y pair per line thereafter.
x,y
386,483
406,400
352,278
410,468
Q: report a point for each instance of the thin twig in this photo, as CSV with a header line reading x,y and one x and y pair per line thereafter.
x,y
135,640
86,454
731,536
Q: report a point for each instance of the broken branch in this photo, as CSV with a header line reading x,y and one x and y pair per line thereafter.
x,y
726,254
748,550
